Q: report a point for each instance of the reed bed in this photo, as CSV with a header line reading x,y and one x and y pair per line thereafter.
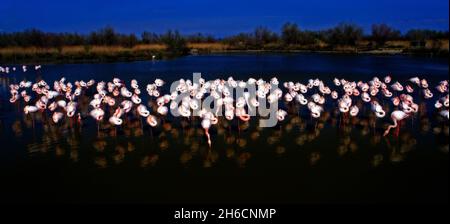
x,y
147,51
209,46
70,53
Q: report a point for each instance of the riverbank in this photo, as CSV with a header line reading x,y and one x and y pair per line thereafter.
x,y
80,53
72,54
430,48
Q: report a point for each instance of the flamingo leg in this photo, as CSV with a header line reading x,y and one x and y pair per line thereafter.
x,y
208,136
239,128
389,127
397,131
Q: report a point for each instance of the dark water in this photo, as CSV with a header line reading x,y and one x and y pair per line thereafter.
x,y
332,159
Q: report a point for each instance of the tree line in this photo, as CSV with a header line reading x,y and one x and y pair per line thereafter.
x,y
104,37
345,34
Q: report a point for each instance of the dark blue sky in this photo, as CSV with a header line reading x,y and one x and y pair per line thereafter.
x,y
217,17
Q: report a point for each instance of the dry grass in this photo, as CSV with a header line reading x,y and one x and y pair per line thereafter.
x,y
398,43
441,44
72,50
208,46
430,44
322,44
27,50
149,47
112,50
81,53
445,44
345,48
148,50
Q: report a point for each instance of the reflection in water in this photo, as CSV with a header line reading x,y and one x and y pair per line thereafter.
x,y
112,145
333,134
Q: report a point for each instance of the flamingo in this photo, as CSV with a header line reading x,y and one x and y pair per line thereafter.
x,y
30,109
115,120
415,80
151,120
57,116
444,113
97,114
281,114
142,110
427,94
354,110
365,97
315,109
206,124
314,94
376,107
397,87
424,83
71,108
396,116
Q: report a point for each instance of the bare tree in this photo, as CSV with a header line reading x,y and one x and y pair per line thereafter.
x,y
382,33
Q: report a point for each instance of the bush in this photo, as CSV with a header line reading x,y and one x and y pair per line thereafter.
x,y
344,34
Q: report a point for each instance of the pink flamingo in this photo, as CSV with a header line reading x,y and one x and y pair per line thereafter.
x,y
396,117
57,116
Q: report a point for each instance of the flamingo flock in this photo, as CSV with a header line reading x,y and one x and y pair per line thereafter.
x,y
116,100
7,69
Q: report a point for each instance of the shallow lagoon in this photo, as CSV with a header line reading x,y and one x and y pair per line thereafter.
x,y
301,160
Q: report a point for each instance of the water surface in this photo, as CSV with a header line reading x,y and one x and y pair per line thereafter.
x,y
301,160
